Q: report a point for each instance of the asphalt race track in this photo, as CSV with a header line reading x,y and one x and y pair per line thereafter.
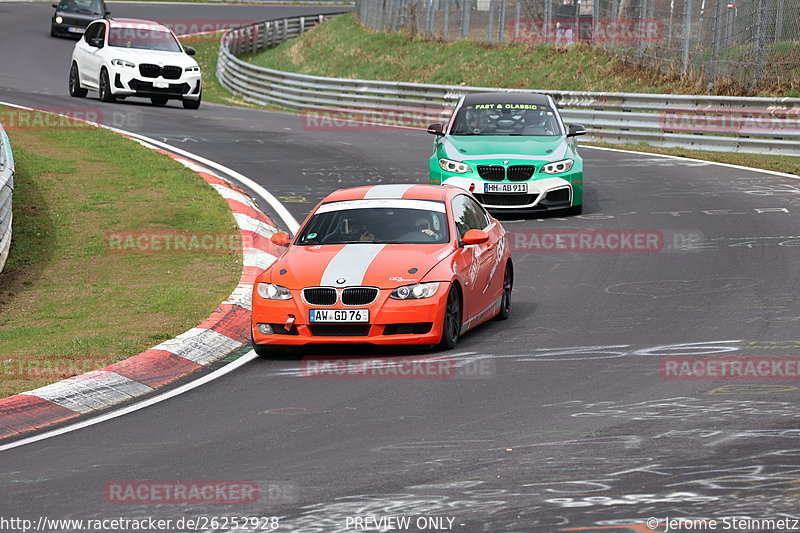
x,y
558,419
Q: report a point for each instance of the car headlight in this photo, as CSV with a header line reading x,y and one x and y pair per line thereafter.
x,y
417,291
270,291
59,20
122,63
454,166
192,69
558,167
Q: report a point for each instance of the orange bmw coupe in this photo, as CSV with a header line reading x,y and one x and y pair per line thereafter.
x,y
385,264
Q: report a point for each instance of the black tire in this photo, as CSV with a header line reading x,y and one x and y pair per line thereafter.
x,y
268,351
451,329
53,32
159,100
75,89
505,300
105,87
193,104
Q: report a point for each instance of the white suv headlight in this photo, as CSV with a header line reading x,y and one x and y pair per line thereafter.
x,y
457,167
122,63
417,291
558,167
270,291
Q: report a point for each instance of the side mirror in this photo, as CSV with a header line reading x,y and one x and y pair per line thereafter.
x,y
106,14
96,42
475,236
281,238
189,50
55,6
436,129
575,130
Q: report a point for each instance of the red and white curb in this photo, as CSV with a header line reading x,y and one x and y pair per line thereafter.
x,y
224,332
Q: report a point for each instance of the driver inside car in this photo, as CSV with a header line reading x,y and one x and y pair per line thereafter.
x,y
423,225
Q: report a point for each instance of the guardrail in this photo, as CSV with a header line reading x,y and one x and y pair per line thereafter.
x,y
717,123
6,191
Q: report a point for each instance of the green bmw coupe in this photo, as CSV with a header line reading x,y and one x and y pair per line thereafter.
x,y
512,151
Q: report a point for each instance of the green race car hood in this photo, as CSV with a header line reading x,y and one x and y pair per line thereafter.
x,y
468,147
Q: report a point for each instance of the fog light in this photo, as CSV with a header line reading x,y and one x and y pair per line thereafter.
x,y
265,329
59,20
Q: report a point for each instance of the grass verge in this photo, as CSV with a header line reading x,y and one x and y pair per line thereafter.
x,y
207,47
67,305
344,48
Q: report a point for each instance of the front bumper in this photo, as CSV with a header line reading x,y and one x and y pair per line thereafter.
x,y
69,28
127,81
390,321
546,194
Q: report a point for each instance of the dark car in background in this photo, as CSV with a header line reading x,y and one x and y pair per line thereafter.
x,y
73,16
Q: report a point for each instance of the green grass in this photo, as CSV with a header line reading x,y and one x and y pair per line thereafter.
x,y
207,47
344,48
64,299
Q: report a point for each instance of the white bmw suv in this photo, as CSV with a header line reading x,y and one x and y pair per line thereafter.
x,y
129,57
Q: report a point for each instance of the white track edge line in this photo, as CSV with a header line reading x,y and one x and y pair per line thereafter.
x,y
681,158
230,367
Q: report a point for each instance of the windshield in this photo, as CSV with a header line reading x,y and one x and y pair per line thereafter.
x,y
89,7
350,223
143,38
506,119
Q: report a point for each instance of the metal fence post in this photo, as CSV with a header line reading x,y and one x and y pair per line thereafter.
x,y
501,26
429,18
729,25
779,21
490,32
687,35
642,13
445,5
517,19
548,20
761,40
466,6
716,40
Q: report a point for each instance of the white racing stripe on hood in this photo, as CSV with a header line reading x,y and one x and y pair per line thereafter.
x,y
350,264
388,191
